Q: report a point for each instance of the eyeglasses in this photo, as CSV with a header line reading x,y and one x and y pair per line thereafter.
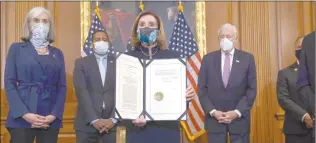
x,y
36,20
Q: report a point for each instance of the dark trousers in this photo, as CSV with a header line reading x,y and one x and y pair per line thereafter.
x,y
27,135
153,135
95,137
299,138
222,138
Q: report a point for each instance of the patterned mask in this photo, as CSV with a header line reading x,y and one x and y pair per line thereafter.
x,y
147,35
39,35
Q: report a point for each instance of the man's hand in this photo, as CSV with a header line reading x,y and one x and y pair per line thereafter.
x,y
228,117
99,125
108,125
218,115
140,121
308,121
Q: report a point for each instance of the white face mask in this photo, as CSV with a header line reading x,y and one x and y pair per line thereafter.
x,y
101,47
226,45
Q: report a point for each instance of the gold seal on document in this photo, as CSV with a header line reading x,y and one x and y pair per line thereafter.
x,y
158,96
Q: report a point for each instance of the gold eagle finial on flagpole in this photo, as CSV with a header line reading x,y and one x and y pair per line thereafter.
x,y
180,6
141,6
97,10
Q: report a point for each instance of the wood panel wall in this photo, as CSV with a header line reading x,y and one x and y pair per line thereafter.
x,y
265,29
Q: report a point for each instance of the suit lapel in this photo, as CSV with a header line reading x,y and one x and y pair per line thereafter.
x,y
95,69
53,55
34,54
294,67
218,67
235,68
293,73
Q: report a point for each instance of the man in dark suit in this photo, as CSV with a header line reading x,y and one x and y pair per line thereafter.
x,y
306,77
94,83
227,89
295,110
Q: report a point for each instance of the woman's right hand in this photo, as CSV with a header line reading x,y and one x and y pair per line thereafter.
x,y
140,121
37,121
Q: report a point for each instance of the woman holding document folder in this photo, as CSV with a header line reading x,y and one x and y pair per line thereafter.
x,y
148,40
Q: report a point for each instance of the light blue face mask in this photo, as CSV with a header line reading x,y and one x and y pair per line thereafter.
x,y
147,35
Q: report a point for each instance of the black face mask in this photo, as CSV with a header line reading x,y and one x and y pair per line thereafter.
x,y
298,53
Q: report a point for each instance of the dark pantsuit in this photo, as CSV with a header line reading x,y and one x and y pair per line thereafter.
x,y
154,135
299,138
95,137
154,131
222,93
27,135
34,84
95,99
222,137
294,129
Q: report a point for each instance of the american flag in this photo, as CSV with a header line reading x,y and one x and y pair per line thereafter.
x,y
183,41
129,46
96,25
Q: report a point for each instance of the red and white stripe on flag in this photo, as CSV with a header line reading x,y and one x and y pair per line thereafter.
x,y
194,125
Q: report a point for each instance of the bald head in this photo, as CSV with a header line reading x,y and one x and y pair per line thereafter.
x,y
298,47
298,43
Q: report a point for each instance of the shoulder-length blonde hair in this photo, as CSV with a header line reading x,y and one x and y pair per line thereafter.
x,y
161,39
33,13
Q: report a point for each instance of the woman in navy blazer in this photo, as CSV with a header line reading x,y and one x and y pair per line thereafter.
x,y
35,82
148,40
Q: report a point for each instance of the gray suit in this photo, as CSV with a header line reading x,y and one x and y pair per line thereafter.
x,y
91,94
293,128
239,94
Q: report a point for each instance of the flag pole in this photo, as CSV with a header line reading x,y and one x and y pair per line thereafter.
x,y
180,6
97,10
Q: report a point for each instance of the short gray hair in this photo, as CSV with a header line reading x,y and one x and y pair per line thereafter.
x,y
225,26
35,12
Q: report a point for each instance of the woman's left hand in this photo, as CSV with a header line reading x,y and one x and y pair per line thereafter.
x,y
140,121
190,95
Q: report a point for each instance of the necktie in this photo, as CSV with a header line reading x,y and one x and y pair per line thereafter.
x,y
226,69
102,69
